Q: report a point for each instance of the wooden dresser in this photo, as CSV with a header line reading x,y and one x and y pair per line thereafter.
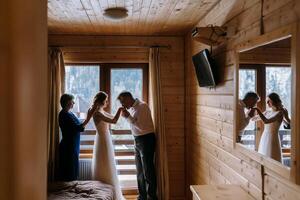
x,y
219,192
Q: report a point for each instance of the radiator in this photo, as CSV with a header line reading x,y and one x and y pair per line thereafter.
x,y
286,161
85,169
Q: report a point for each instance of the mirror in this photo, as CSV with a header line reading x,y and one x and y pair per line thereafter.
x,y
264,105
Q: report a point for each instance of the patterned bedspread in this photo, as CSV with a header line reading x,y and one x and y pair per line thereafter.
x,y
80,190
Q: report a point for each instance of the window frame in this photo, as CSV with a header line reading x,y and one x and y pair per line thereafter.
x,y
105,75
105,78
87,65
105,84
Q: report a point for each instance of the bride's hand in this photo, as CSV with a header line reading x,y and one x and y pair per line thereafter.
x,y
251,112
257,109
120,109
125,113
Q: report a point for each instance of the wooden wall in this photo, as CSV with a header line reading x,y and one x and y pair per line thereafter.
x,y
211,158
84,49
23,99
275,53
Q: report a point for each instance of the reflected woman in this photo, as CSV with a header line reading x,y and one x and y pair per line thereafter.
x,y
69,146
270,142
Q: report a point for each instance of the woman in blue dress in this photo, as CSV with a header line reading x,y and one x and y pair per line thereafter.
x,y
69,146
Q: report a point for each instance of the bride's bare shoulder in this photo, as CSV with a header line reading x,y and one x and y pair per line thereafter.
x,y
107,114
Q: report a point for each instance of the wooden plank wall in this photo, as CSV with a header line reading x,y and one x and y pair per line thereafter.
x,y
172,64
267,55
211,158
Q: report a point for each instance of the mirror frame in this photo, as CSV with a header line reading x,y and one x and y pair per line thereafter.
x,y
293,31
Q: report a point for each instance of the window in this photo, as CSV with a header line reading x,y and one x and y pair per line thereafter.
x,y
278,79
247,82
83,81
125,79
130,79
271,79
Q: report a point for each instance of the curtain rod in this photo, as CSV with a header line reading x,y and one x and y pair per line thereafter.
x,y
113,47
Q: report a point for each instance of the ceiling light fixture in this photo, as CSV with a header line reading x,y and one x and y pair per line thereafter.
x,y
117,13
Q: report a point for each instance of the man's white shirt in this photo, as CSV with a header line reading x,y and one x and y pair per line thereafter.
x,y
140,119
243,118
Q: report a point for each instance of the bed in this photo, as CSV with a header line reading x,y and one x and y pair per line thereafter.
x,y
80,190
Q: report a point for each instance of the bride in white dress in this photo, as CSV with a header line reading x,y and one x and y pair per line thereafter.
x,y
104,164
270,144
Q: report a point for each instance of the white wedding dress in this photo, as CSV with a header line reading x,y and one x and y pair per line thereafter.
x,y
104,164
269,144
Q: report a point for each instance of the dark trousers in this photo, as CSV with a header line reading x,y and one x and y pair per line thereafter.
x,y
144,159
68,161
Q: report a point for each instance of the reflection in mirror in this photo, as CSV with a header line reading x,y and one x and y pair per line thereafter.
x,y
264,106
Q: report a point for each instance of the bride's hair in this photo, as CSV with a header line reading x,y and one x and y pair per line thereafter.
x,y
100,97
275,99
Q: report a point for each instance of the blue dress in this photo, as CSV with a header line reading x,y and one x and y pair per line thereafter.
x,y
69,146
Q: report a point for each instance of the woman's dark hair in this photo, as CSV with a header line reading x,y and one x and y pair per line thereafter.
x,y
275,99
65,99
125,94
100,97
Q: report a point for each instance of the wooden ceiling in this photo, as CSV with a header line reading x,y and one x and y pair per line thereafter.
x,y
145,17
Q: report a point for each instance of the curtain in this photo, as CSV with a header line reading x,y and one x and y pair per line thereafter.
x,y
156,105
56,88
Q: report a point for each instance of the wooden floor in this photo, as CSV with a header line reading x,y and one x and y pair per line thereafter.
x,y
130,197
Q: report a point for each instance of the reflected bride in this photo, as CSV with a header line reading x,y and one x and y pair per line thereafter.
x,y
270,142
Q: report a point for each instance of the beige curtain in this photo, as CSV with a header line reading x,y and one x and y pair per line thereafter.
x,y
56,88
157,109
